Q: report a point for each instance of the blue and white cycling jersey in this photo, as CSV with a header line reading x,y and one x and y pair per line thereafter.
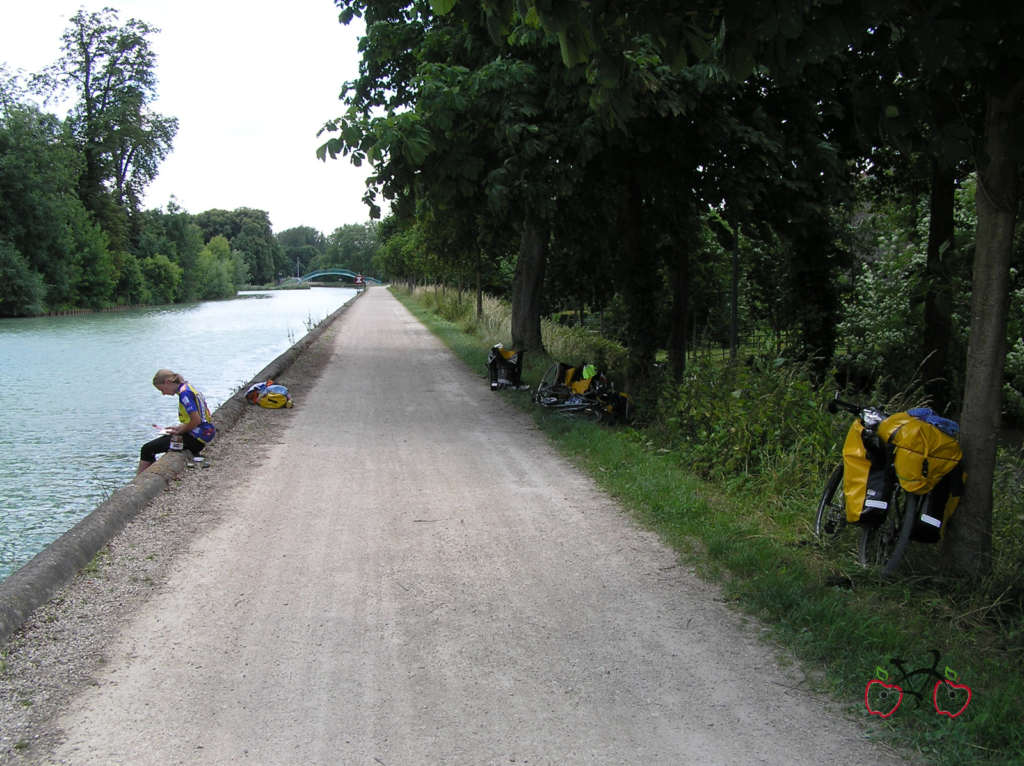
x,y
189,401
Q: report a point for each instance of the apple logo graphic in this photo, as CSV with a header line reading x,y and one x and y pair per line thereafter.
x,y
883,705
952,693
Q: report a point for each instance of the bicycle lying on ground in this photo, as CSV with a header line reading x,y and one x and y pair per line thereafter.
x,y
583,390
888,513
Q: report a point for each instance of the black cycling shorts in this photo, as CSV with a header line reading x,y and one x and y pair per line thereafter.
x,y
162,444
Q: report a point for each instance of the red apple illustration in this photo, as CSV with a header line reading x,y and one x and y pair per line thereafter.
x,y
885,696
952,694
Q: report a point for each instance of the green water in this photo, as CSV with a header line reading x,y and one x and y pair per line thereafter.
x,y
78,400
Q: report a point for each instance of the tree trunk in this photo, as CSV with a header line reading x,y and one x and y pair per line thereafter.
x,y
814,289
640,284
479,287
734,302
527,285
679,273
969,538
938,325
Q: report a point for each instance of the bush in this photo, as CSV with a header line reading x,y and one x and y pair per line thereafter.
x,y
757,419
131,288
21,288
1013,388
878,324
163,277
1008,517
215,271
567,344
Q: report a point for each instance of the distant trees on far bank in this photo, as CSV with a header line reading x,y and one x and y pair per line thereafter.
x,y
73,234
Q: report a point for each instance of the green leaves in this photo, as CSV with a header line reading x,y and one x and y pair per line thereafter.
x,y
442,7
106,71
415,142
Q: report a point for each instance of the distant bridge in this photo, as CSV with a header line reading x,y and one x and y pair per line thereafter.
x,y
344,273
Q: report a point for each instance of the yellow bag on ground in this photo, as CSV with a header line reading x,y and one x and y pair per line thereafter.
x,y
922,453
270,395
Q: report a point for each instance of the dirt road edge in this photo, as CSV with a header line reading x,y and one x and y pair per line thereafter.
x,y
34,584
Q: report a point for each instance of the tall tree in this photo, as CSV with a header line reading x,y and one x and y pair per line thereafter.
x,y
998,201
449,123
921,147
300,245
40,215
976,45
353,246
38,173
110,69
249,231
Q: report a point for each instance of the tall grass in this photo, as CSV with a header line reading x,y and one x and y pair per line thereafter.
x,y
728,472
567,344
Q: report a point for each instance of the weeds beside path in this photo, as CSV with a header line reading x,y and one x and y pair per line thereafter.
x,y
754,538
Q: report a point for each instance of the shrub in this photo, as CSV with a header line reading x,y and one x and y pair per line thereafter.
x,y
1013,388
728,420
163,277
1008,516
567,344
21,288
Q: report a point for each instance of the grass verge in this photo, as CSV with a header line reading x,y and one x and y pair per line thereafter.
x,y
840,621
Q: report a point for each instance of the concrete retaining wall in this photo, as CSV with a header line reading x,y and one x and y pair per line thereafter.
x,y
41,578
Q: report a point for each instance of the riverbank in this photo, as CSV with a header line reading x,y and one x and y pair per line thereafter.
x,y
96,370
33,584
63,643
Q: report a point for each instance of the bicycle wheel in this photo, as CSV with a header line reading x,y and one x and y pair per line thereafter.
x,y
548,392
883,545
831,518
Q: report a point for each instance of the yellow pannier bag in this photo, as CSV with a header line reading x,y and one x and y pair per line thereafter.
x,y
578,379
930,525
922,454
864,484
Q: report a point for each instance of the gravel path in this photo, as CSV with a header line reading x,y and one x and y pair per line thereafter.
x,y
400,570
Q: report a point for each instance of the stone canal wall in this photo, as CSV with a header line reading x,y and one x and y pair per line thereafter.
x,y
41,578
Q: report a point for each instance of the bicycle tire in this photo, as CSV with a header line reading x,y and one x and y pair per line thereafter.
x,y
546,386
884,544
830,520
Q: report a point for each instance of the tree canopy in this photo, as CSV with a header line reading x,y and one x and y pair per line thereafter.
x,y
705,169
109,69
72,231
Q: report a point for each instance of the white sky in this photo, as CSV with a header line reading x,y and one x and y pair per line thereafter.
x,y
250,81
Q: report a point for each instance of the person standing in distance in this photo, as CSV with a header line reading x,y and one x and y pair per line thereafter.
x,y
194,427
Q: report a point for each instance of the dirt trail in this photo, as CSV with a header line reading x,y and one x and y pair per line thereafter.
x,y
408,574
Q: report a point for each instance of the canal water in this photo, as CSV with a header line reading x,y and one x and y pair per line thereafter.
x,y
77,398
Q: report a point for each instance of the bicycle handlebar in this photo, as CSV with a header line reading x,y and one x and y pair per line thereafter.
x,y
836,404
869,416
